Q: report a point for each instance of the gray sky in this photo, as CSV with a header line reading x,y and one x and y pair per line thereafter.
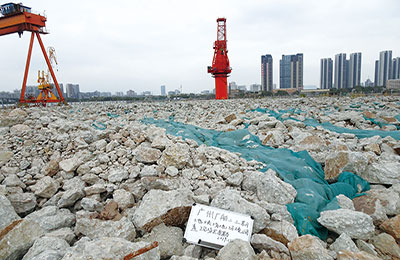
x,y
141,45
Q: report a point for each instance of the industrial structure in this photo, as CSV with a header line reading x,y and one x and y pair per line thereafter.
x,y
17,18
220,68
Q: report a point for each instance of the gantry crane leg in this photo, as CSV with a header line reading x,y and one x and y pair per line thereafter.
x,y
28,60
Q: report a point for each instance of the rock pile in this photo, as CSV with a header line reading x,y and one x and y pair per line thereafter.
x,y
73,189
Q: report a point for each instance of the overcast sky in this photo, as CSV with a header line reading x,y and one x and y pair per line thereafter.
x,y
141,45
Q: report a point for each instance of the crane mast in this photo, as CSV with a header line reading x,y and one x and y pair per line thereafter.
x,y
220,68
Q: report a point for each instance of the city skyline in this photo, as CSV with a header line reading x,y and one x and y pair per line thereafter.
x,y
142,54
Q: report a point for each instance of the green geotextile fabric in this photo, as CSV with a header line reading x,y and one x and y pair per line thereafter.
x,y
360,133
314,193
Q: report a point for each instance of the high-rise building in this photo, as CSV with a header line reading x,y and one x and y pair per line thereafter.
x,y
396,68
376,73
385,67
266,72
354,68
163,91
131,93
291,71
341,72
72,90
326,73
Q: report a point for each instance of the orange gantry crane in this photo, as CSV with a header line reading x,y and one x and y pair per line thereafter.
x,y
220,68
17,18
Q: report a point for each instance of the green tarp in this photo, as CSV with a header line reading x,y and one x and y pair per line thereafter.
x,y
314,193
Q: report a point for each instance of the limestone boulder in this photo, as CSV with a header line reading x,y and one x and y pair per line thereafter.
x,y
96,228
146,154
282,231
19,129
52,218
47,248
269,187
23,203
169,240
354,223
158,206
392,227
69,197
235,250
382,172
371,206
109,248
231,200
349,255
337,162
177,155
308,247
342,243
7,212
386,246
46,187
264,242
17,238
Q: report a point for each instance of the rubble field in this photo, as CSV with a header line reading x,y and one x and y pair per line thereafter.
x,y
102,180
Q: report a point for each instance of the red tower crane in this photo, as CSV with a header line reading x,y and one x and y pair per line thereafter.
x,y
17,19
220,66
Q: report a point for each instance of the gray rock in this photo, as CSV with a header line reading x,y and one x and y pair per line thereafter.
x,y
236,250
383,172
269,187
46,187
367,247
96,228
386,246
354,223
371,206
263,242
23,203
12,180
124,199
7,212
74,183
51,218
90,204
47,248
5,156
95,189
169,207
149,170
118,174
169,240
282,231
147,154
344,242
160,142
231,200
109,248
19,129
21,236
390,200
174,257
177,155
172,171
344,202
70,197
235,179
63,233
308,247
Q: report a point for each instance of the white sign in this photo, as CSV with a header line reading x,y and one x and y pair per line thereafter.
x,y
212,227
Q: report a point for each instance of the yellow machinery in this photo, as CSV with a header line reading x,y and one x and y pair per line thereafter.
x,y
44,80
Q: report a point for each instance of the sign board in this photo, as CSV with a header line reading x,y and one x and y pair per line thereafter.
x,y
214,228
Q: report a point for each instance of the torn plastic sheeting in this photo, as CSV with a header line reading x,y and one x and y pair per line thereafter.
x,y
99,126
314,193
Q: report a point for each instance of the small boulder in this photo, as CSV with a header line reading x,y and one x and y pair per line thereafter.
x,y
236,250
308,247
354,223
